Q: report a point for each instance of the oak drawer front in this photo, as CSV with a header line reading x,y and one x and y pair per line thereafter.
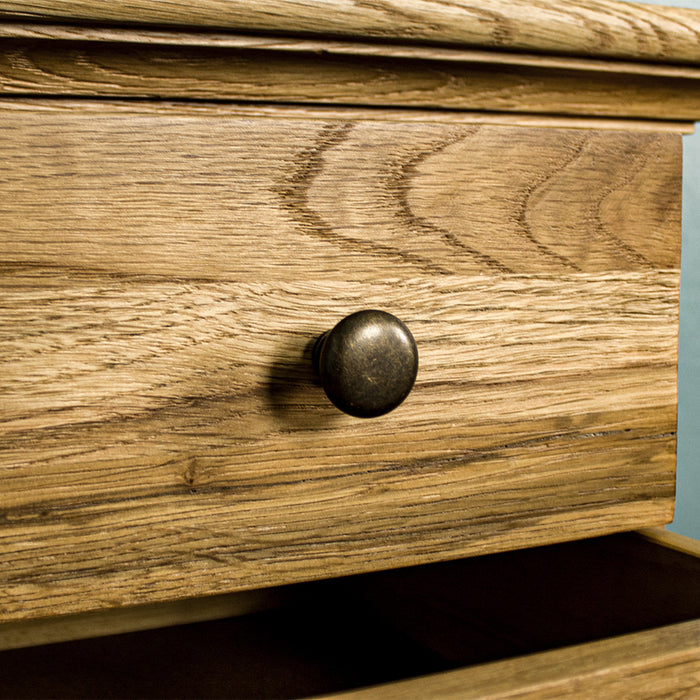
x,y
166,269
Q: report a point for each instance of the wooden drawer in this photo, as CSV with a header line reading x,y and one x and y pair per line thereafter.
x,y
167,267
617,616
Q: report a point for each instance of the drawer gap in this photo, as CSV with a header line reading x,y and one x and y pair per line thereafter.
x,y
351,632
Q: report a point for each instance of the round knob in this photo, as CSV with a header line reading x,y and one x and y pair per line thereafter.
x,y
367,363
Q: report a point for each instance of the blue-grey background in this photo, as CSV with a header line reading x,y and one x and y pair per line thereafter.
x,y
687,520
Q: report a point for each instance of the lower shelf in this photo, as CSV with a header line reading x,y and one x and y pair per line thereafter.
x,y
435,631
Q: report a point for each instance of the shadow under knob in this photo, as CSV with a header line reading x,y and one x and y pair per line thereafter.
x,y
367,363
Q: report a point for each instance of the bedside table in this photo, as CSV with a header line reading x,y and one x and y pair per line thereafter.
x,y
193,196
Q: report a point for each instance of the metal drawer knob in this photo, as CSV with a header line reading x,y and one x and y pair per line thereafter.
x,y
367,363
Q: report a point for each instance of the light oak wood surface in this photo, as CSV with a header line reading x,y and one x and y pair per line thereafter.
x,y
165,271
660,663
588,27
98,62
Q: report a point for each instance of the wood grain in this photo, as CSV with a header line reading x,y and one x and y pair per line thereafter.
x,y
164,273
149,36
126,63
588,27
660,663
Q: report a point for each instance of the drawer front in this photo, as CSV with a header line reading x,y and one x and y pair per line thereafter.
x,y
167,268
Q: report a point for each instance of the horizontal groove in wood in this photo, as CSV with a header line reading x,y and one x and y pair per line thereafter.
x,y
164,273
605,28
346,74
265,110
146,37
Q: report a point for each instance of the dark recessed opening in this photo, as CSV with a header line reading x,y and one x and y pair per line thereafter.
x,y
376,628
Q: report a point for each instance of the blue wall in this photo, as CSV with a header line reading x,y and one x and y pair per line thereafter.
x,y
687,521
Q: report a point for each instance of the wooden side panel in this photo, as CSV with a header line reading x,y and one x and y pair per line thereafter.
x,y
164,273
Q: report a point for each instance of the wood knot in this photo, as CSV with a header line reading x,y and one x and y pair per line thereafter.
x,y
189,476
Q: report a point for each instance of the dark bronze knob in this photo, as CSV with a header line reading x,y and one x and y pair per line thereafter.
x,y
367,363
